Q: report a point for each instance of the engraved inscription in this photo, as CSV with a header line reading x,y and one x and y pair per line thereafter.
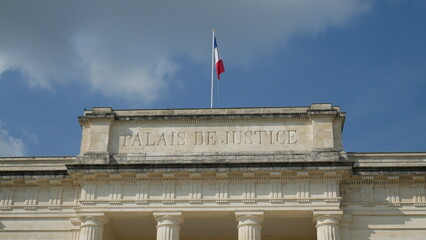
x,y
150,139
197,138
184,138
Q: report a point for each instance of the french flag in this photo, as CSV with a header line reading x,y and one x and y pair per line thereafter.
x,y
220,68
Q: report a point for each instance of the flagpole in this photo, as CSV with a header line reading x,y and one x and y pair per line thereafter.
x,y
211,86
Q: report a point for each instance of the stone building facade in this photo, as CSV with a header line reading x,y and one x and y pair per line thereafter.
x,y
204,174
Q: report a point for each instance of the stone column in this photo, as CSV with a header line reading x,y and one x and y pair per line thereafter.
x,y
168,225
327,225
249,225
92,227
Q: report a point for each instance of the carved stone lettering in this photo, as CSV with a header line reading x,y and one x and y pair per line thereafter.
x,y
156,139
149,139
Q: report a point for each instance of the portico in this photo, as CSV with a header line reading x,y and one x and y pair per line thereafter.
x,y
215,226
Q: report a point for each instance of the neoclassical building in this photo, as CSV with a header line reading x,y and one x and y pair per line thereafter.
x,y
204,174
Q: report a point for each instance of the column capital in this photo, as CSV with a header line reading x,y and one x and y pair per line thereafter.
x,y
92,225
327,224
242,215
168,225
93,219
168,218
336,214
75,221
249,224
249,218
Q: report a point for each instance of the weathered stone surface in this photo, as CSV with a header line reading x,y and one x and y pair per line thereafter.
x,y
142,135
299,185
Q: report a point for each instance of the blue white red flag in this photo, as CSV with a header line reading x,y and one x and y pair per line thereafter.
x,y
220,68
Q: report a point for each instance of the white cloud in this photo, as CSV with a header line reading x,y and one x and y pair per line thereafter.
x,y
129,48
9,145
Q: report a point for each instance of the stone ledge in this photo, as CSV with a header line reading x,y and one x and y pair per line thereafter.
x,y
239,157
94,158
216,113
400,170
192,167
39,174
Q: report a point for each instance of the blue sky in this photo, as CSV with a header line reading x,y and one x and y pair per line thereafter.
x,y
57,58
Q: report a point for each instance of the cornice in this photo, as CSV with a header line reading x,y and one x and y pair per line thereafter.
x,y
40,159
386,154
212,115
216,179
4,175
325,155
166,120
216,167
273,169
397,170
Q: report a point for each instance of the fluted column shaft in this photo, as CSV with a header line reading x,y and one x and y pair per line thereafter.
x,y
168,226
328,228
91,228
249,227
